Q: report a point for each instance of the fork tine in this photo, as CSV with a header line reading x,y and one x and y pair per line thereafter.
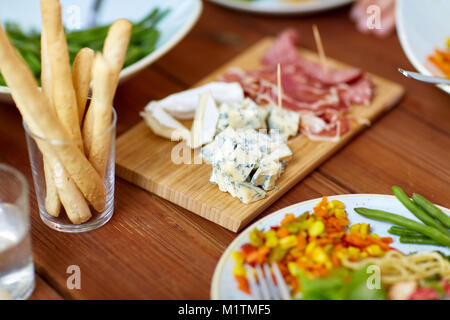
x,y
271,284
254,288
284,290
262,284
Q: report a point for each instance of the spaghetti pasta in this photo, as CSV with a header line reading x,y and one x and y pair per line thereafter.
x,y
396,267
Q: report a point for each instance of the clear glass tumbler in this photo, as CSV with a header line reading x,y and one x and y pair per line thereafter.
x,y
59,196
16,259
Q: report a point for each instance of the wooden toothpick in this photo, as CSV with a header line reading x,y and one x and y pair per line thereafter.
x,y
280,88
322,56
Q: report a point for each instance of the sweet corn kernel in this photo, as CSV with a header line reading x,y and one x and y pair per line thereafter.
x,y
328,265
288,242
239,271
316,228
340,213
374,250
363,254
319,255
238,257
337,204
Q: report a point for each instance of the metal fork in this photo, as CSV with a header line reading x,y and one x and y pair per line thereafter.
x,y
424,78
262,284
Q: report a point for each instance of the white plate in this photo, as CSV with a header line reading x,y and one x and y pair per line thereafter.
x,y
182,17
280,7
423,26
224,286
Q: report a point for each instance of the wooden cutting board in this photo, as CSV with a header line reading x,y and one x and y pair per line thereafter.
x,y
144,159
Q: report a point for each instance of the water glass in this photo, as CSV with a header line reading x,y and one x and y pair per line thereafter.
x,y
59,220
16,260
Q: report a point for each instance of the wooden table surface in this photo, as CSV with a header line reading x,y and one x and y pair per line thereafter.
x,y
152,249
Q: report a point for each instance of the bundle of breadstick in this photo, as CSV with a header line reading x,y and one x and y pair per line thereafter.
x,y
74,172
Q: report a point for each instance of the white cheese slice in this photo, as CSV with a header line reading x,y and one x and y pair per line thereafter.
x,y
182,105
162,124
205,121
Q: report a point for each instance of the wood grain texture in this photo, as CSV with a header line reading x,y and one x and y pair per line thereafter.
x,y
43,291
146,160
153,249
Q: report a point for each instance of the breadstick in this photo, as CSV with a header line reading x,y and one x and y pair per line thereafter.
x,y
100,114
81,77
58,184
77,209
35,110
52,203
114,51
116,46
64,98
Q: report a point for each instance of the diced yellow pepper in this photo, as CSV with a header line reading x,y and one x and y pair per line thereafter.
x,y
239,271
296,253
310,247
374,250
355,228
271,242
316,228
238,257
337,204
328,248
288,242
270,234
319,255
375,236
340,213
365,229
354,252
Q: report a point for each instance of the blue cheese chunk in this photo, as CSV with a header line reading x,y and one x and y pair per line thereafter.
x,y
284,121
208,151
248,193
244,115
267,174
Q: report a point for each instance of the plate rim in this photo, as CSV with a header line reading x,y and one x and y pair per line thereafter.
x,y
405,44
155,55
214,291
286,8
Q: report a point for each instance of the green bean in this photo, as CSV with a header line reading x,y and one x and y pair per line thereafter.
x,y
431,209
417,240
401,231
417,211
396,219
143,41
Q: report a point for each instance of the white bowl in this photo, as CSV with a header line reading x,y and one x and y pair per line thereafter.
x,y
182,17
280,7
423,26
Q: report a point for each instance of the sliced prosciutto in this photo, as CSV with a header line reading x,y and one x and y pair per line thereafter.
x,y
321,95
